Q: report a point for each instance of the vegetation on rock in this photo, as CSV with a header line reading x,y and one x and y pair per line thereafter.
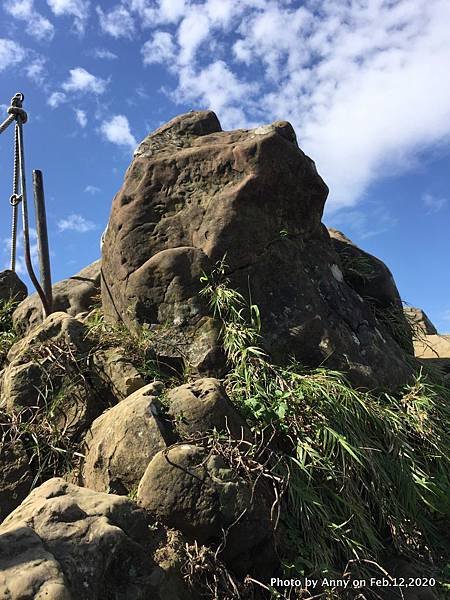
x,y
7,333
366,474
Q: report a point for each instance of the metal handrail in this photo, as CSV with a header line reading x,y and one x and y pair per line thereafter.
x,y
17,115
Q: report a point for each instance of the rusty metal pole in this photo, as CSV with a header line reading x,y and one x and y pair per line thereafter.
x,y
42,237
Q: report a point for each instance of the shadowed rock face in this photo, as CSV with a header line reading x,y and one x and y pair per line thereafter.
x,y
193,194
11,287
369,277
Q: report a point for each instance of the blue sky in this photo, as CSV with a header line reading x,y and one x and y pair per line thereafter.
x,y
364,82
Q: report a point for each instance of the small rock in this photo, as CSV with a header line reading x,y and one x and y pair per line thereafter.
x,y
57,327
20,385
27,570
420,320
117,372
123,440
202,406
434,351
52,362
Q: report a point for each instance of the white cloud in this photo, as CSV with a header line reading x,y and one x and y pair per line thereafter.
x,y
218,87
104,53
363,83
81,117
81,80
11,53
21,268
92,189
117,131
78,9
35,70
117,23
159,49
76,223
56,99
193,31
433,203
37,25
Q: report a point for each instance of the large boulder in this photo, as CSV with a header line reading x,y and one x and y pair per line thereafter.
x,y
74,295
371,279
194,194
200,495
123,440
69,543
365,273
11,286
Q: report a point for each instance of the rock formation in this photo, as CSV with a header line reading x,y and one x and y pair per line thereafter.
x,y
197,478
195,195
67,543
430,347
371,279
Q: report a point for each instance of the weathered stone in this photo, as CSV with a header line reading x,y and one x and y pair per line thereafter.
x,y
15,475
171,559
58,327
192,348
52,362
117,372
11,287
202,406
123,440
373,281
66,542
20,385
73,295
27,570
434,350
420,320
365,273
194,194
202,497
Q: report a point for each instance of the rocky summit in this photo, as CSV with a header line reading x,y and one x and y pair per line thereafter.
x,y
233,397
195,195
